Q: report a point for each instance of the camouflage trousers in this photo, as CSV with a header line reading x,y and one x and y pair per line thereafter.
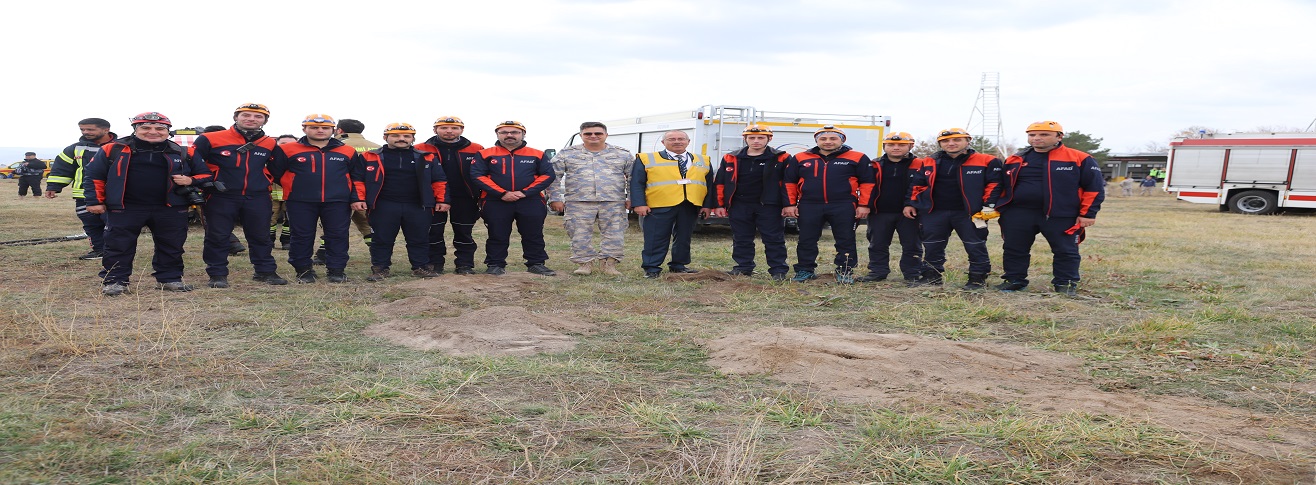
x,y
580,218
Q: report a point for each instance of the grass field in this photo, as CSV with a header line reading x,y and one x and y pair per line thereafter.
x,y
1187,358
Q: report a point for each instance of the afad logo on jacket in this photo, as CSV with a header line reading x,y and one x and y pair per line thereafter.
x,y
808,164
370,168
301,159
225,153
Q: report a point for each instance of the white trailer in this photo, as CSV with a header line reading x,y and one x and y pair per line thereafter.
x,y
1245,173
714,130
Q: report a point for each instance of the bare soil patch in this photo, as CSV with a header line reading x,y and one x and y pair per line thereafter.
x,y
891,368
493,331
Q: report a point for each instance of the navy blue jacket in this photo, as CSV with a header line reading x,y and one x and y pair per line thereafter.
x,y
724,182
979,177
240,166
1073,181
309,173
106,177
369,178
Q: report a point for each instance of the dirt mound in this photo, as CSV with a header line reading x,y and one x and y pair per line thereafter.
x,y
890,368
490,331
481,287
416,306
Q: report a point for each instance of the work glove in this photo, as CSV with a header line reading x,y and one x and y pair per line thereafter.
x,y
986,214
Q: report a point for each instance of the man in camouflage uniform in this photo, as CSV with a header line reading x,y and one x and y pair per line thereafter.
x,y
591,189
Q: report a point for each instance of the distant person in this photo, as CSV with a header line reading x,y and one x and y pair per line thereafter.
x,y
1052,190
315,173
402,187
592,190
239,157
456,153
279,231
893,171
513,177
830,184
349,131
67,170
30,171
950,188
668,188
1126,187
139,181
748,191
1147,185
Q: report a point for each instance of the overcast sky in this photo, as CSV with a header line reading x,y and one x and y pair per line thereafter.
x,y
1130,72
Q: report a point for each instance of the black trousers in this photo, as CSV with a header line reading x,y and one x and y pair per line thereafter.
x,y
92,224
882,227
748,218
528,214
1019,229
464,213
168,231
840,215
664,228
222,213
413,220
935,228
335,217
29,181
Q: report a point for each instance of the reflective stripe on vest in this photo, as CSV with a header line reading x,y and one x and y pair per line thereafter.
x,y
663,188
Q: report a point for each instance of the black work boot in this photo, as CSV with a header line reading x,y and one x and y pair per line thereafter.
x,y
269,278
218,282
376,273
336,275
1068,289
1012,286
977,281
928,278
305,275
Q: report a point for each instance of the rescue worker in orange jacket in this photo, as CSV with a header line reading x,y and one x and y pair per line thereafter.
x,y
1052,190
240,192
747,190
402,187
315,174
513,177
456,153
829,184
143,180
893,171
947,190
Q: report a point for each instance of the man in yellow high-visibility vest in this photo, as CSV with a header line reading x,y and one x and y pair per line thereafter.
x,y
667,189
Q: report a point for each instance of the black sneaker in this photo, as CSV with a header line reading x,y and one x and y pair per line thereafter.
x,y
495,270
653,275
269,278
175,286
218,282
92,255
236,249
803,275
464,270
336,276
318,260
540,269
681,269
779,276
1012,286
740,272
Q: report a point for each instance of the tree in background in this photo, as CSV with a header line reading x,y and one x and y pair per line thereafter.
x,y
925,148
1086,143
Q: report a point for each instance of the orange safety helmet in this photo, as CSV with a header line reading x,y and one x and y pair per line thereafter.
x,y
252,107
899,137
757,130
1045,126
318,120
829,129
451,121
510,124
949,133
399,129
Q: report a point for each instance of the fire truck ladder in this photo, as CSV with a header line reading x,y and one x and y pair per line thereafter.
x,y
986,114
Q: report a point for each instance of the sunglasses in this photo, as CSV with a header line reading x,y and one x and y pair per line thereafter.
x,y
593,133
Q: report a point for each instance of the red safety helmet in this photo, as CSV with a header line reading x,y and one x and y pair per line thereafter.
x,y
151,117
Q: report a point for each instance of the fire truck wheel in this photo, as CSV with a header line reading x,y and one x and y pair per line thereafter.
x,y
1256,202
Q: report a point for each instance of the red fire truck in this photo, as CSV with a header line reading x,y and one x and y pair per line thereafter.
x,y
1245,173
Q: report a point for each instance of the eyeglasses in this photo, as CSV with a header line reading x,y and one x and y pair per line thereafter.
x,y
593,133
507,133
